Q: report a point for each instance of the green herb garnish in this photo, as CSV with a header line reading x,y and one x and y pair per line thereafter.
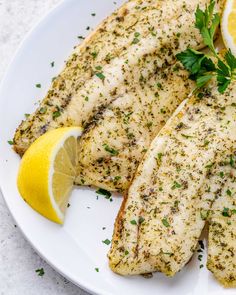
x,y
200,65
110,150
165,222
107,242
226,212
40,272
56,114
176,185
228,192
100,76
43,110
104,192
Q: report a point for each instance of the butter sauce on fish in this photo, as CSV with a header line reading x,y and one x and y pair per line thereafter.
x,y
167,205
98,70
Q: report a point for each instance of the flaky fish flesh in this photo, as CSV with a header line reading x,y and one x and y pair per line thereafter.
x,y
99,70
174,190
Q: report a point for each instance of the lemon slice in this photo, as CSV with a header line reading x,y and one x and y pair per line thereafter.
x,y
228,25
47,172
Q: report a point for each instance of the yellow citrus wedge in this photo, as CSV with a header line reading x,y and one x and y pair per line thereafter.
x,y
47,172
228,25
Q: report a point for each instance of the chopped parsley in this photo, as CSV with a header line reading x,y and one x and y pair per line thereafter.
x,y
52,64
200,257
96,269
40,272
104,193
93,14
186,136
201,244
117,178
133,222
204,214
206,142
165,222
126,252
226,212
231,161
135,41
176,185
100,76
221,174
94,54
107,242
141,220
43,110
110,150
228,192
159,155
27,116
38,85
56,114
11,142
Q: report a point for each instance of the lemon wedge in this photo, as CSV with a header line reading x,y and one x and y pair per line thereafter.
x,y
228,25
48,170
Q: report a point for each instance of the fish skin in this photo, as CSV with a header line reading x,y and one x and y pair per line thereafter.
x,y
170,193
78,94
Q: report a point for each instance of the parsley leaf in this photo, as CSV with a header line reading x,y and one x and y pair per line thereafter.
x,y
104,192
110,150
207,23
200,66
165,222
40,272
106,242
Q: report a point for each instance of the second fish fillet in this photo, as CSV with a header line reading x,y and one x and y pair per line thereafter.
x,y
173,190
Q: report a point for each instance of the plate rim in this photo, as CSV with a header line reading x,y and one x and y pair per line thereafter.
x,y
84,286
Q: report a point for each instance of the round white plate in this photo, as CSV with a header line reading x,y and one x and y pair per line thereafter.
x,y
76,248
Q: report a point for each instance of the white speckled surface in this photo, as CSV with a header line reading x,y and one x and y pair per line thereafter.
x,y
18,261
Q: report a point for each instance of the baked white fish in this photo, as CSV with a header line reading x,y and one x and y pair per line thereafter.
x,y
167,205
99,70
222,218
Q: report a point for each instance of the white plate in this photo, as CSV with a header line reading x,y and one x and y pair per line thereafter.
x,y
76,248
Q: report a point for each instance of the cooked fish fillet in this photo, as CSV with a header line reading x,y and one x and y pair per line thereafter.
x,y
111,150
222,222
162,217
99,69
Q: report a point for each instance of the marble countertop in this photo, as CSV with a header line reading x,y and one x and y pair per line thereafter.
x,y
18,261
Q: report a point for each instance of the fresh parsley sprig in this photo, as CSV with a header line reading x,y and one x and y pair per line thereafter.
x,y
200,65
